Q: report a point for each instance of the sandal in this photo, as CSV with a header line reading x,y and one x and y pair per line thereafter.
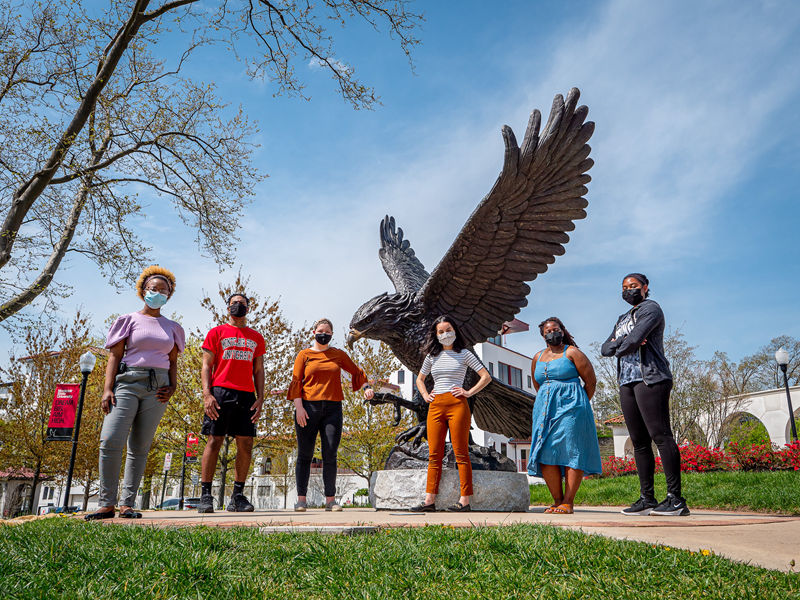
x,y
108,514
549,509
563,509
130,514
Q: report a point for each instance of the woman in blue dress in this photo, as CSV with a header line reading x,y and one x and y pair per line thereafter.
x,y
564,444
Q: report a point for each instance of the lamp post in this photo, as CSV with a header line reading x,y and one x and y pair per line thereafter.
x,y
86,364
782,358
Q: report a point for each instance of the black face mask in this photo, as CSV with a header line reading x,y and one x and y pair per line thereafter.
x,y
632,296
238,309
554,338
323,338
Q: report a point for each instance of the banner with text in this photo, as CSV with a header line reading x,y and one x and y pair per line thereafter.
x,y
62,414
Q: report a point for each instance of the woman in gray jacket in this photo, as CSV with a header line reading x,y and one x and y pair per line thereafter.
x,y
645,381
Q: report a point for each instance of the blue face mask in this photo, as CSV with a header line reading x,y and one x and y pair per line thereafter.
x,y
155,299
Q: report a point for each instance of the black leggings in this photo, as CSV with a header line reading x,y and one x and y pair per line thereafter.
x,y
646,411
325,418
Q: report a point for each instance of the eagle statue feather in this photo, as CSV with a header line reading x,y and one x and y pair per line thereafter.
x,y
515,232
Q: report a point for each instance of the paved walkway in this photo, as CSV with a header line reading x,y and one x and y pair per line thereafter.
x,y
767,540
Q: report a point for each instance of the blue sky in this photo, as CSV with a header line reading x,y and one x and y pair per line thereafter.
x,y
696,151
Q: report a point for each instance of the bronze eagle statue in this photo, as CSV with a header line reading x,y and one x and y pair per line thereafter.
x,y
516,231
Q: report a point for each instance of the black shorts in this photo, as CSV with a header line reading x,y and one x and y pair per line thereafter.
x,y
234,413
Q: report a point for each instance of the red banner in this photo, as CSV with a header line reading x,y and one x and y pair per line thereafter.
x,y
62,414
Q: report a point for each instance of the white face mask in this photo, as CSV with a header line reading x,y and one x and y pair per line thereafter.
x,y
447,338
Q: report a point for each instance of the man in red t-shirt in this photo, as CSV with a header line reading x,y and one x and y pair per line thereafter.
x,y
233,393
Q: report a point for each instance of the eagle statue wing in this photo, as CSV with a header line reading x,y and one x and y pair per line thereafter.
x,y
519,227
504,409
398,259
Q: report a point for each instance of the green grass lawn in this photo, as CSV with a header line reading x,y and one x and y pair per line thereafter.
x,y
768,491
65,558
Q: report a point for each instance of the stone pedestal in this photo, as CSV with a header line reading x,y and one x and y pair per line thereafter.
x,y
496,491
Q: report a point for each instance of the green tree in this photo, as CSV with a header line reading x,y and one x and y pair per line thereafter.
x,y
768,376
89,115
52,357
369,431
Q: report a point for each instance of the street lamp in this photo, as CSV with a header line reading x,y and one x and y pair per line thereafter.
x,y
86,364
782,358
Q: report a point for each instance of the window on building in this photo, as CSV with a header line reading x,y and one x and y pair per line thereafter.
x,y
496,340
503,449
529,381
401,377
491,369
509,375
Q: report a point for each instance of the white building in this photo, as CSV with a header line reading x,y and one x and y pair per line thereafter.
x,y
509,366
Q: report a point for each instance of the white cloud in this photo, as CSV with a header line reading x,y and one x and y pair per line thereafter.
x,y
681,101
683,95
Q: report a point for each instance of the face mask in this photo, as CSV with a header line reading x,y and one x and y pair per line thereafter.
x,y
554,338
447,338
323,339
238,309
632,296
155,299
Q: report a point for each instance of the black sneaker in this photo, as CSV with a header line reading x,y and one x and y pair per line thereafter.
x,y
643,506
206,504
239,503
671,507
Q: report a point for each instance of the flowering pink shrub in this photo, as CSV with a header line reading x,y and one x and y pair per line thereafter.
x,y
614,466
788,457
757,457
694,457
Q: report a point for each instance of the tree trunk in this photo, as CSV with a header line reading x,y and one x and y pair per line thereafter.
x,y
224,461
36,473
86,486
148,486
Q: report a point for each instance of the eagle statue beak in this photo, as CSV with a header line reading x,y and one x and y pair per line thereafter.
x,y
353,337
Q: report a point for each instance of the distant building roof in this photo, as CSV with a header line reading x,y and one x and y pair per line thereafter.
x,y
21,474
514,326
618,420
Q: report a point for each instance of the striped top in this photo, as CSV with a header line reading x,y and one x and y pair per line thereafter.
x,y
449,369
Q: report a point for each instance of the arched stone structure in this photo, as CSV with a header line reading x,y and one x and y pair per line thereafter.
x,y
768,406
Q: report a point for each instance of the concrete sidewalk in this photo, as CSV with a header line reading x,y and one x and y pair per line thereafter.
x,y
769,541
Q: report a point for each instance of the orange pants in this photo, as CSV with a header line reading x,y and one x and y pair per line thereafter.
x,y
448,412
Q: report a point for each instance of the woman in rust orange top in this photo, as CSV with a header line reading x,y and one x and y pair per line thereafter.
x,y
316,391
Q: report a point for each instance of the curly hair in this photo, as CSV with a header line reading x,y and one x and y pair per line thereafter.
x,y
155,271
568,339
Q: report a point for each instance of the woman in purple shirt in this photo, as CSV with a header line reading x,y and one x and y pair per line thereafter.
x,y
140,379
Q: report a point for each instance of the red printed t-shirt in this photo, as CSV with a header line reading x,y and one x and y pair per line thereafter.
x,y
318,375
235,349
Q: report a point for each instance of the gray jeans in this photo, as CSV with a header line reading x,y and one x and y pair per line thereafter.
x,y
134,419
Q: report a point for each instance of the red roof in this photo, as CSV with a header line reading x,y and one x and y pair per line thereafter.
x,y
514,326
20,474
618,420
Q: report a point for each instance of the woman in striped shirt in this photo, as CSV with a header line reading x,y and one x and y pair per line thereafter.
x,y
447,360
